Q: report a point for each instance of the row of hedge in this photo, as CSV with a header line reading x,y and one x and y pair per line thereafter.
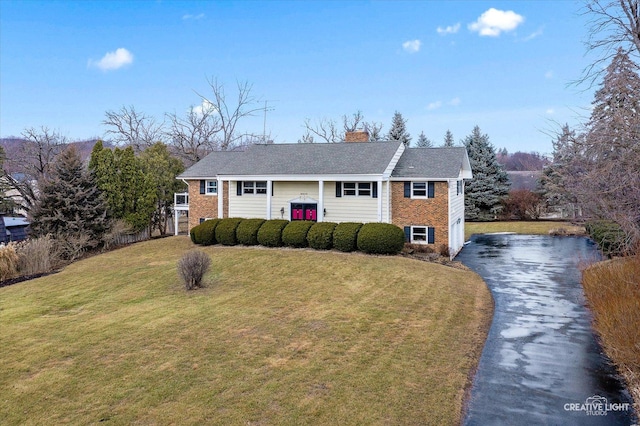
x,y
373,238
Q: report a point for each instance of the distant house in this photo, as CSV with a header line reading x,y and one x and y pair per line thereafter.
x,y
524,179
419,189
13,229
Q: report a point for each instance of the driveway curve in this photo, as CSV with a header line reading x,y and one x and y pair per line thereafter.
x,y
541,363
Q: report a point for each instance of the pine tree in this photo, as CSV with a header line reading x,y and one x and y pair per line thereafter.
x,y
556,177
608,183
490,183
423,141
448,139
70,205
398,130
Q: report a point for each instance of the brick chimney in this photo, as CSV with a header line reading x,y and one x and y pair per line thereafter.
x,y
357,136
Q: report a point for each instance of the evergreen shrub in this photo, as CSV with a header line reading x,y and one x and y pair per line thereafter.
x,y
608,235
226,231
247,231
270,233
380,238
295,233
345,236
206,234
320,236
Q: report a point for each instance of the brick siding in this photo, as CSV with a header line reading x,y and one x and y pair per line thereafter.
x,y
202,205
433,212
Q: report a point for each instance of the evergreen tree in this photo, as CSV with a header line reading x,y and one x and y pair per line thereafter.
x,y
448,139
160,170
70,205
490,183
129,194
398,130
556,177
608,182
423,141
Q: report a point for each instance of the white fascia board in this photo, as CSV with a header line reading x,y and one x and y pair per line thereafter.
x,y
198,178
418,179
305,178
394,161
465,170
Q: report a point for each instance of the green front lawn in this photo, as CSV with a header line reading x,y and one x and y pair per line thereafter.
x,y
278,337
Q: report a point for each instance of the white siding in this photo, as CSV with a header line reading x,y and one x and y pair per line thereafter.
x,y
246,205
284,192
456,212
339,209
350,208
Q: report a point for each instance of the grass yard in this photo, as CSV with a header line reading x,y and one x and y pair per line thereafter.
x,y
520,227
278,337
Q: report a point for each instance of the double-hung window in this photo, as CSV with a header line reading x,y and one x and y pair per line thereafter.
x,y
419,189
253,187
211,187
359,189
420,234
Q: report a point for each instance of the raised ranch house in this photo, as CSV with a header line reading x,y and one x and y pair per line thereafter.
x,y
418,189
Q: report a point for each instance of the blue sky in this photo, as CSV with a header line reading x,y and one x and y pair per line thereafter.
x,y
505,66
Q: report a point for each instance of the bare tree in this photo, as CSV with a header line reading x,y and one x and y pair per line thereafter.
x,y
130,127
613,24
230,113
34,160
327,130
195,135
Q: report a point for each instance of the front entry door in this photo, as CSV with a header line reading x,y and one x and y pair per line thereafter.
x,y
300,211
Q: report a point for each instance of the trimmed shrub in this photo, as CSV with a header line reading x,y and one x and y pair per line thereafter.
x,y
247,231
345,236
380,238
226,231
295,233
206,233
8,262
193,234
192,267
320,236
270,233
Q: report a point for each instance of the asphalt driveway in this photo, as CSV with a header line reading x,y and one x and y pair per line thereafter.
x,y
541,364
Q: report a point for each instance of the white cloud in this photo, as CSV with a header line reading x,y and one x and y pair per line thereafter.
x,y
206,106
493,22
450,29
534,34
434,105
550,111
412,46
189,16
113,60
455,101
548,75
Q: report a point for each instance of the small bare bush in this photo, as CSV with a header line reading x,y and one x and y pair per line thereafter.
x,y
36,256
71,247
8,262
192,267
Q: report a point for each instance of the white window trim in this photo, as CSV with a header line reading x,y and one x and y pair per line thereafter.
x,y
254,187
207,187
426,190
426,234
357,189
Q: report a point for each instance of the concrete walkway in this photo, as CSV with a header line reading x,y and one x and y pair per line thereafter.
x,y
541,364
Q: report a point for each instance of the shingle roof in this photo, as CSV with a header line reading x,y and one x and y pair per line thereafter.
x,y
431,163
298,159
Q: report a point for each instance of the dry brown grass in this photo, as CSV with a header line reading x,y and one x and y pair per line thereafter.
x,y
613,291
523,227
277,337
